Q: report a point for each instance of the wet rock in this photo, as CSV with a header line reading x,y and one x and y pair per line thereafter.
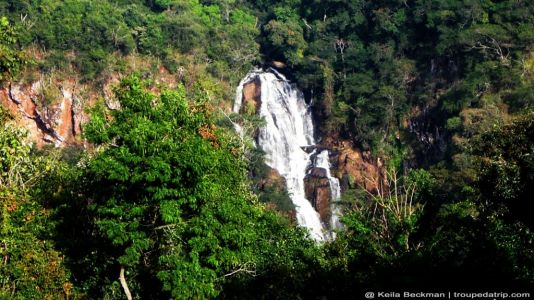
x,y
317,189
317,172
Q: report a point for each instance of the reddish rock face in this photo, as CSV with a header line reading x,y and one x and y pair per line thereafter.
x,y
273,179
57,123
358,167
317,189
58,117
251,97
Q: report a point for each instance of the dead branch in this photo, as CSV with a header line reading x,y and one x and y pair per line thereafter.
x,y
124,285
241,270
306,23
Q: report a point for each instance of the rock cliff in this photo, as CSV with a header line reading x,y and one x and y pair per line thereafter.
x,y
357,168
50,119
317,188
251,97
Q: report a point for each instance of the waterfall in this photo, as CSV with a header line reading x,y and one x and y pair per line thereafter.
x,y
288,131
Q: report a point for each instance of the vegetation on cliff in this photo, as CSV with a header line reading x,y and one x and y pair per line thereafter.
x,y
444,85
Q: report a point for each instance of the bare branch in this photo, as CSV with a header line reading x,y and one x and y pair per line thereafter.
x,y
168,226
242,269
306,23
124,284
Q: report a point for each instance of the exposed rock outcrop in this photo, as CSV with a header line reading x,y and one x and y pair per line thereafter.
x,y
251,97
273,179
52,107
357,168
275,184
277,64
317,188
49,121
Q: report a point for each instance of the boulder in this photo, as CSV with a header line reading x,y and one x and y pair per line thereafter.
x,y
278,64
317,172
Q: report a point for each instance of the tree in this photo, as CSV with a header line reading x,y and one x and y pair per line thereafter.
x,y
11,59
506,159
169,194
287,39
387,217
31,266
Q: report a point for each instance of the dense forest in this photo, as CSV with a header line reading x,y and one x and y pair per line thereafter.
x,y
159,197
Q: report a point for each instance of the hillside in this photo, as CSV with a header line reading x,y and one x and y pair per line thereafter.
x,y
177,149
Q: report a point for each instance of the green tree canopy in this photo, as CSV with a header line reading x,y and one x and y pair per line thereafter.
x,y
170,194
11,59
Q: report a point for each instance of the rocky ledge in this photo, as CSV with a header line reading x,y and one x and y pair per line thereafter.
x,y
317,189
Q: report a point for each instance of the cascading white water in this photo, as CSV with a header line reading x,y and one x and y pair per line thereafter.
x,y
289,129
323,161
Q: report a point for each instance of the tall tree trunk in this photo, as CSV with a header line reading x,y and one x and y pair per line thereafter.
x,y
124,284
